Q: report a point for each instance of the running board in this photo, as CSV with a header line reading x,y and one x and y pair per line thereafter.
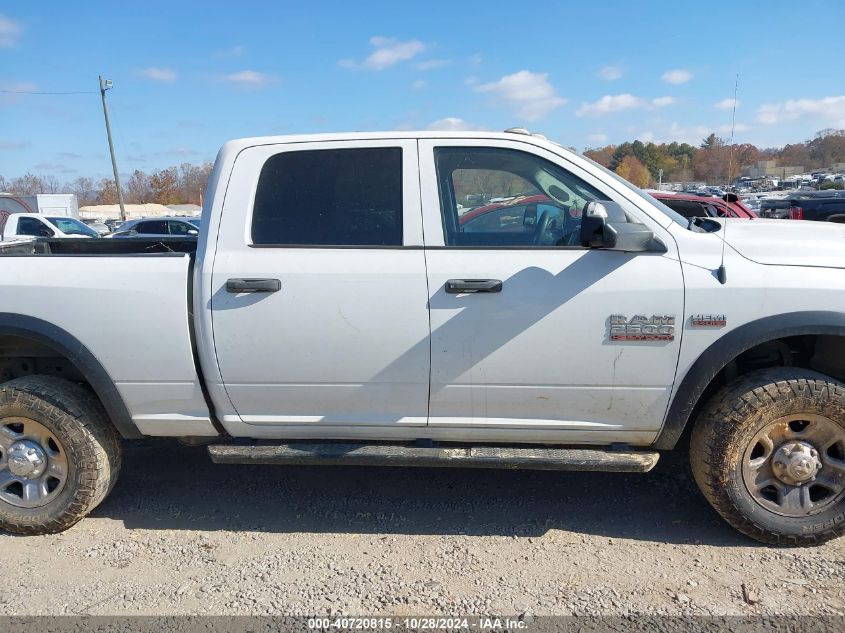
x,y
529,458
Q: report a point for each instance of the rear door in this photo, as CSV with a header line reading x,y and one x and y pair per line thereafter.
x,y
337,335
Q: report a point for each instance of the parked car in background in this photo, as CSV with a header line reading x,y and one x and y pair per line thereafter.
x,y
698,206
751,202
114,224
34,225
101,227
821,206
154,227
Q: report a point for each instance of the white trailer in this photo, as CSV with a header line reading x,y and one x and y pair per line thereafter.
x,y
43,203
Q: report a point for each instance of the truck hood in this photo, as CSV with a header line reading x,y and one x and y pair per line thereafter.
x,y
789,242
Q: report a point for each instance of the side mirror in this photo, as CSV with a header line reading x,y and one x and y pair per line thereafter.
x,y
193,232
605,225
45,232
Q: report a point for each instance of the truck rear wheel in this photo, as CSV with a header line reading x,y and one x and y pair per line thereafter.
x,y
768,452
59,454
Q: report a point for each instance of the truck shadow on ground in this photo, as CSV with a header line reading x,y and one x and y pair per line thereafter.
x,y
165,486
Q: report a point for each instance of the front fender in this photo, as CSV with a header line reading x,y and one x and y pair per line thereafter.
x,y
727,348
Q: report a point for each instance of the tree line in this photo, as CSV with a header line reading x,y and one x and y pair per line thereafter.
x,y
714,161
182,184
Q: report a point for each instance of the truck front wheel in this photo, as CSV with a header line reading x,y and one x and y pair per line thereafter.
x,y
768,452
59,455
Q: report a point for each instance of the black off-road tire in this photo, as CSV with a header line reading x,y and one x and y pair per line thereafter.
x,y
91,443
725,428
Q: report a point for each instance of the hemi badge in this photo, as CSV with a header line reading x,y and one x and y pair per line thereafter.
x,y
709,320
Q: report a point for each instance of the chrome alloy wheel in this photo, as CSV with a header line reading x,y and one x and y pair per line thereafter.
x,y
33,463
795,465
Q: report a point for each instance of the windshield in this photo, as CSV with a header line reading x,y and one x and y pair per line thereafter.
x,y
673,215
72,226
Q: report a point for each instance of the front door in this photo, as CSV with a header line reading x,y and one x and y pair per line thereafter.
x,y
319,290
521,313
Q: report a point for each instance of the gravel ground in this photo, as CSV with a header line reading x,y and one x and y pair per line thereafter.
x,y
179,535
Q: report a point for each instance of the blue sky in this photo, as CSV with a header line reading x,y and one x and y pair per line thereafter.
x,y
188,76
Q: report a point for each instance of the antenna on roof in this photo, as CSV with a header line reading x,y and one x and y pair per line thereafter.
x,y
722,274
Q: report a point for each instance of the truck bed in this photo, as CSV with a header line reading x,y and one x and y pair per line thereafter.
x,y
104,247
128,302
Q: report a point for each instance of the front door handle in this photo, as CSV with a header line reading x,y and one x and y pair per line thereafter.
x,y
459,286
253,285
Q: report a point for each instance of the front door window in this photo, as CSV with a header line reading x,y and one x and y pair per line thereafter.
x,y
493,197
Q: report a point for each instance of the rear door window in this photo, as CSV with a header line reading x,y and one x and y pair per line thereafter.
x,y
332,197
154,227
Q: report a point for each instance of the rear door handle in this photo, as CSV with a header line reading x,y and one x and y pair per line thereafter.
x,y
253,285
458,286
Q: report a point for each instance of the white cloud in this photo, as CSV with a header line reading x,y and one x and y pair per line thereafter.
x,y
249,78
529,94
662,102
830,110
389,52
598,137
10,32
159,74
419,84
611,103
617,103
726,104
452,124
237,50
677,76
646,137
433,63
610,73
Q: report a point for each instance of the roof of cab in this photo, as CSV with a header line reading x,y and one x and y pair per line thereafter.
x,y
242,143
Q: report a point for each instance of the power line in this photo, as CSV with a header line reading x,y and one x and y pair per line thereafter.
x,y
33,92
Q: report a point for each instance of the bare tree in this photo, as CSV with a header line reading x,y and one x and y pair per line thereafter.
x,y
49,184
106,192
165,185
85,190
25,185
138,189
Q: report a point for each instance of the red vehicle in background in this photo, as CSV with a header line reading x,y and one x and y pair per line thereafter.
x,y
691,205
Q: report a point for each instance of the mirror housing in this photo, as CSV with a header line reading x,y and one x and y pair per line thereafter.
x,y
605,225
193,232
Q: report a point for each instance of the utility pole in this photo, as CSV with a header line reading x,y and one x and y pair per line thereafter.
x,y
106,85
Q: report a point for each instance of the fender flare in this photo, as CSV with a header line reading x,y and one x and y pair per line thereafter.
x,y
727,348
68,346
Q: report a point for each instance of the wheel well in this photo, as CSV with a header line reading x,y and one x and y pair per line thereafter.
x,y
22,357
29,354
824,353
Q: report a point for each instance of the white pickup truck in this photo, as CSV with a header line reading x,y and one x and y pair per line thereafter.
x,y
433,299
29,225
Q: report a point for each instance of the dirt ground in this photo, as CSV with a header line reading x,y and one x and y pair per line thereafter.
x,y
179,535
